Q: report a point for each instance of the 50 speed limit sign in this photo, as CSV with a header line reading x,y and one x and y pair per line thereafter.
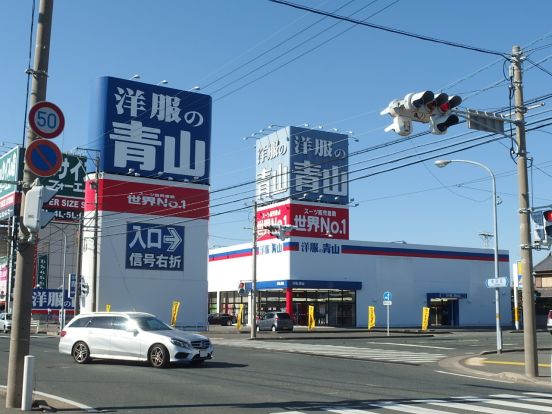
x,y
46,119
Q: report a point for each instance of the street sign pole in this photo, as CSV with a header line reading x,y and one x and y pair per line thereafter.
x,y
23,290
388,319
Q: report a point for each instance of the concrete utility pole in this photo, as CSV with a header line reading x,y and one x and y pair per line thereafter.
x,y
253,311
529,325
23,290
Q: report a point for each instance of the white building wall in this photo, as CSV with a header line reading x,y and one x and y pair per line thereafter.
x,y
399,270
147,290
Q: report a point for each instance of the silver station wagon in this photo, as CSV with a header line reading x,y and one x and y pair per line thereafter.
x,y
131,336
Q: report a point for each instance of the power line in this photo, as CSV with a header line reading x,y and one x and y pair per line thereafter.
x,y
391,30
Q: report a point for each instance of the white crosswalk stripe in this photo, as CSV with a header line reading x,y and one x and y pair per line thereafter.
x,y
528,402
388,355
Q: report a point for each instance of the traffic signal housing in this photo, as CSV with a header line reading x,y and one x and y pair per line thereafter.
x,y
442,118
547,226
34,216
425,107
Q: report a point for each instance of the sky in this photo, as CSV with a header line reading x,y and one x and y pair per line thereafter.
x,y
265,64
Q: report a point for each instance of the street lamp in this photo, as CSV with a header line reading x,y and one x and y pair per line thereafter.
x,y
444,163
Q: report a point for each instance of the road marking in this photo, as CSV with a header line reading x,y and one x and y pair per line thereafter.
x,y
370,354
413,345
521,364
471,376
508,404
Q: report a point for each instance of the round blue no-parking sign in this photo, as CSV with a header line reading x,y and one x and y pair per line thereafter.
x,y
43,157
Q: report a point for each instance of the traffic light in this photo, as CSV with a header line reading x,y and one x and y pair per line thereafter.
x,y
424,107
547,226
34,217
402,124
442,118
542,227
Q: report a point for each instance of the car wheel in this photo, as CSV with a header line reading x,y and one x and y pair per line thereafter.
x,y
81,353
159,356
273,328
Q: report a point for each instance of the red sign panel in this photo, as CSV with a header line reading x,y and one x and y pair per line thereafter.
x,y
310,220
151,199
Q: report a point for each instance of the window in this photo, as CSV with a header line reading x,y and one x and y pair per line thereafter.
x,y
120,323
101,322
80,323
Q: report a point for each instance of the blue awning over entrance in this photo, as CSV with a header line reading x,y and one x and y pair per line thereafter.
x,y
446,296
307,284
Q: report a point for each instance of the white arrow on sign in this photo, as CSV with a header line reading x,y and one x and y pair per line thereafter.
x,y
174,239
497,282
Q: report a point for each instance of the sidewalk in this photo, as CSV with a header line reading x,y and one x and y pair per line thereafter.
x,y
507,366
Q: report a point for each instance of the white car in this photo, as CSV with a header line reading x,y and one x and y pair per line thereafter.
x,y
132,336
5,322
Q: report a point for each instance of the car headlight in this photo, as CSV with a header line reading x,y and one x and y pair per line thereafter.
x,y
181,343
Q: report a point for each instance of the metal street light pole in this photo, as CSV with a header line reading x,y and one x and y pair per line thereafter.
x,y
444,163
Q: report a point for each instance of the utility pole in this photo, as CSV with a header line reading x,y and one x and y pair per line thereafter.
x,y
79,267
94,290
529,326
23,290
254,278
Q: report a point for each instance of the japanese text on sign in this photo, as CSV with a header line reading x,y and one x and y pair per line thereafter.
x,y
154,247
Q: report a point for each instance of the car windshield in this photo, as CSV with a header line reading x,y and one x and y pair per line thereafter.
x,y
8,316
150,323
283,316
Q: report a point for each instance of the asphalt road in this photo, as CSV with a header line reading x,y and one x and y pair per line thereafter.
x,y
262,380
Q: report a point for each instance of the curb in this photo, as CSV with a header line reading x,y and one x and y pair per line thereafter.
x,y
458,364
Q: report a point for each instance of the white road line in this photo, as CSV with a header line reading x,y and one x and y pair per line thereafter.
x,y
412,345
471,376
402,356
474,408
406,408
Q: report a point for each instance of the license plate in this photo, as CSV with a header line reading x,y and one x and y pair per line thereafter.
x,y
203,354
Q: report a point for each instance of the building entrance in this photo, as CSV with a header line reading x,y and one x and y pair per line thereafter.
x,y
331,307
443,312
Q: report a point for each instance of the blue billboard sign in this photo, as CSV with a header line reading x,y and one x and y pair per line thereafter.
x,y
303,164
154,247
152,131
44,299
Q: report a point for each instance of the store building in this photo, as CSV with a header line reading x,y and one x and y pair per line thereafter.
x,y
302,182
342,278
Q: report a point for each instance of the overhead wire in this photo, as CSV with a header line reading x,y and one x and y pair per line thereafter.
x,y
392,30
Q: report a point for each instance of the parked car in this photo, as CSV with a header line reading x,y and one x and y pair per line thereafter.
x,y
5,322
549,321
132,336
275,321
223,319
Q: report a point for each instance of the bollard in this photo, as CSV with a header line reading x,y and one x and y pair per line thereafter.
x,y
28,383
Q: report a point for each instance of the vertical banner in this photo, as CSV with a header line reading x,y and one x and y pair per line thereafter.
x,y
174,312
425,318
42,271
72,285
371,317
107,307
239,322
312,322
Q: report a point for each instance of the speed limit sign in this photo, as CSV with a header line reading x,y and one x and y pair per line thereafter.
x,y
46,119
